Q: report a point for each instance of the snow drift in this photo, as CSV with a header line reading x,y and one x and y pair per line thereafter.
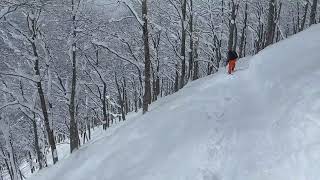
x,y
263,123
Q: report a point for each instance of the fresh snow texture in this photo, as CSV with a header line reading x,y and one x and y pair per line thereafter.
x,y
261,123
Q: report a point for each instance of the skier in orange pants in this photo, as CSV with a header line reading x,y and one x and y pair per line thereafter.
x,y
232,58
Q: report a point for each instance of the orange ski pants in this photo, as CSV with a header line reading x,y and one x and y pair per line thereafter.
x,y
232,65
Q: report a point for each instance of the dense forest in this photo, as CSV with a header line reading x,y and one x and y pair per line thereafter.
x,y
67,66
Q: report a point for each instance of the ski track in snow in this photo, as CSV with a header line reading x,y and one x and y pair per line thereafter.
x,y
262,123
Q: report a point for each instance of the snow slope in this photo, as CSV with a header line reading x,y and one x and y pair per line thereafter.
x,y
262,123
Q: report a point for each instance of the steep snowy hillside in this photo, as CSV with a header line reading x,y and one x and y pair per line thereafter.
x,y
262,123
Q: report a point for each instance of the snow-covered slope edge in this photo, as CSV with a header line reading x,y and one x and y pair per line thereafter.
x,y
273,129
262,123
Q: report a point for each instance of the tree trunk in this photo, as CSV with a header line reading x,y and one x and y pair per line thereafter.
x,y
183,43
297,26
124,101
104,107
125,97
43,104
232,25
121,101
235,42
217,49
176,80
243,33
304,18
196,63
270,27
313,12
157,90
36,141
32,169
135,96
196,71
108,114
154,96
156,78
89,130
147,60
74,135
276,22
191,45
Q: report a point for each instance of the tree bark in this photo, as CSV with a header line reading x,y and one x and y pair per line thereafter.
x,y
191,45
104,107
243,33
183,42
271,24
125,97
135,95
121,100
196,63
36,141
147,60
313,12
176,80
156,78
44,109
304,18
232,25
74,135
235,41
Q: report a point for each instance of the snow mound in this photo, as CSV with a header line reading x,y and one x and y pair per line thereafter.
x,y
262,123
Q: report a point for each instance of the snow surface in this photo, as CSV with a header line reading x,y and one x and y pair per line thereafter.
x,y
262,123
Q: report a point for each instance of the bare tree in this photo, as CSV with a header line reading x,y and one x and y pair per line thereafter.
x,y
313,12
243,32
183,41
147,59
74,135
191,44
271,23
304,18
232,24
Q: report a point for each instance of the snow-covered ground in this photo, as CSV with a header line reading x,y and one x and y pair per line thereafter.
x,y
262,123
63,148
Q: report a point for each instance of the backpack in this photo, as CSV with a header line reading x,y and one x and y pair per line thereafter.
x,y
232,55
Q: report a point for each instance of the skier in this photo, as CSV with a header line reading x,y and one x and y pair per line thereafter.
x,y
232,58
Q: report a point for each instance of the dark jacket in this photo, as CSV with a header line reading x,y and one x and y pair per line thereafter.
x,y
232,55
